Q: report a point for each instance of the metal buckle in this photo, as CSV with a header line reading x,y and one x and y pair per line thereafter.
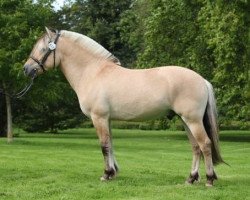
x,y
52,46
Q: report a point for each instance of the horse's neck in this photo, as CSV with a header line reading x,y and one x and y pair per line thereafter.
x,y
77,65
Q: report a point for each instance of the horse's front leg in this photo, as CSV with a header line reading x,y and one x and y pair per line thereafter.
x,y
102,125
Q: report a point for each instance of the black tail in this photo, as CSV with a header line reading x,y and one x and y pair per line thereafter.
x,y
211,127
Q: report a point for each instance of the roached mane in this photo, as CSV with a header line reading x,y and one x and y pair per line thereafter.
x,y
91,45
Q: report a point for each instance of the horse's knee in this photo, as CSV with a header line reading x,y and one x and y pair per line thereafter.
x,y
196,149
206,147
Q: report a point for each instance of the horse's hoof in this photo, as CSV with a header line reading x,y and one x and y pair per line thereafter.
x,y
210,179
106,178
108,175
209,185
103,179
188,183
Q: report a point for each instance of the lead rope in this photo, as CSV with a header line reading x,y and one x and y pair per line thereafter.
x,y
21,93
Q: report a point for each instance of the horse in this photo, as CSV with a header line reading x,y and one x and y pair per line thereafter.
x,y
107,91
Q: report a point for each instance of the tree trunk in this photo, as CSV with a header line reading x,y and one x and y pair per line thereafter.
x,y
9,116
2,116
9,119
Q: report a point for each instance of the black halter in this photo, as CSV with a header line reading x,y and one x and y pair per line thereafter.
x,y
52,48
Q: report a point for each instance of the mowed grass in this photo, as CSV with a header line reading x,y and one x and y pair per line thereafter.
x,y
153,165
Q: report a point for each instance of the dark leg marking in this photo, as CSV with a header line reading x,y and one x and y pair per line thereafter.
x,y
109,172
211,178
116,168
192,178
105,150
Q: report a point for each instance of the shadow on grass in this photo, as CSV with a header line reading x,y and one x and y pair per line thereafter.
x,y
57,145
117,133
235,137
227,136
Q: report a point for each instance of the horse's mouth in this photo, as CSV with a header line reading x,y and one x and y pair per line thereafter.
x,y
33,73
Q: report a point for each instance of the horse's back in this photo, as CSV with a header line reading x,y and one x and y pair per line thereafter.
x,y
150,93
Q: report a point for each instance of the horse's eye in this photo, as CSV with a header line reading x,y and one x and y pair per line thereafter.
x,y
43,49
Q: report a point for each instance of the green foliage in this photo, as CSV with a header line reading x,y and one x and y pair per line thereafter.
x,y
169,31
224,30
52,105
19,29
210,37
132,29
98,20
20,23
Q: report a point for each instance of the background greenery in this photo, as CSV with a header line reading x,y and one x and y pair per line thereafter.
x,y
210,37
153,165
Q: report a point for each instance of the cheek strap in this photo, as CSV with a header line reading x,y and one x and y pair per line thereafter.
x,y
52,47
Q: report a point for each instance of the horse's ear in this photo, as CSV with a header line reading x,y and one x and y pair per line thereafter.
x,y
49,32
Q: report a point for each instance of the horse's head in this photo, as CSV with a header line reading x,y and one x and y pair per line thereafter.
x,y
43,55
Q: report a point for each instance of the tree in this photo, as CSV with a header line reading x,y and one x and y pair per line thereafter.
x,y
224,31
52,105
99,20
132,29
169,31
2,116
211,37
20,21
207,36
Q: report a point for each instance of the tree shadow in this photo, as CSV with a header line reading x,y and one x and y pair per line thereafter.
x,y
225,136
235,137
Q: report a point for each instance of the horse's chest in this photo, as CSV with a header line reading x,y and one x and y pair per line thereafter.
x,y
94,105
85,109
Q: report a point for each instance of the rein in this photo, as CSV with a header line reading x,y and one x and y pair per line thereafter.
x,y
21,93
52,48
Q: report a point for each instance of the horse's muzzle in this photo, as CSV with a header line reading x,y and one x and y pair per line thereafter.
x,y
30,71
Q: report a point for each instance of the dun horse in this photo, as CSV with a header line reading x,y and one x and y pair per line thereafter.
x,y
107,91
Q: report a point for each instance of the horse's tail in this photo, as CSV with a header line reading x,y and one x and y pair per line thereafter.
x,y
210,124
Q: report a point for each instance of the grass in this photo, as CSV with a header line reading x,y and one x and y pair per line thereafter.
x,y
153,165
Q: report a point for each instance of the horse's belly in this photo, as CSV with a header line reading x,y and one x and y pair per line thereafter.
x,y
139,111
137,117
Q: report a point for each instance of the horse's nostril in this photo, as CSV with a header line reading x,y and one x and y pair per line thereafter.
x,y
26,69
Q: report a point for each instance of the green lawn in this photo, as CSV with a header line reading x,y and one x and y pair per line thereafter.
x,y
153,165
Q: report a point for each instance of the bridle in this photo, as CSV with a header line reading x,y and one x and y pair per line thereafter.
x,y
52,48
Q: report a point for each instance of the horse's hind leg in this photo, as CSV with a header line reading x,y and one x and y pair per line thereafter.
x,y
103,130
199,134
194,174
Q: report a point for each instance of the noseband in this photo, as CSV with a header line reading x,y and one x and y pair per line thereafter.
x,y
52,48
